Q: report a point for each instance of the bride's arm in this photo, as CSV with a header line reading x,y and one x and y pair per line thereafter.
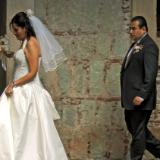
x,y
32,51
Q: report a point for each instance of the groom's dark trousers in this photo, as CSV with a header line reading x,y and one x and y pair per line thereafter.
x,y
138,78
142,138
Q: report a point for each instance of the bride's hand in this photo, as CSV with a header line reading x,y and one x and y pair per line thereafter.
x,y
1,49
9,90
6,52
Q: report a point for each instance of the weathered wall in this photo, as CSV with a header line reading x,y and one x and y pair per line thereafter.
x,y
86,87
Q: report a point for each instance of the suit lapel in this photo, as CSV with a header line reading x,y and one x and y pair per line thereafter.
x,y
131,54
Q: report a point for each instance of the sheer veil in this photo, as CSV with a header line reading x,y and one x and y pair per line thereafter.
x,y
51,51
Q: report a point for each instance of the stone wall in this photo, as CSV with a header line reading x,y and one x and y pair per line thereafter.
x,y
86,87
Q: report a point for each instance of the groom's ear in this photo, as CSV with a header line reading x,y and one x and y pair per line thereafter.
x,y
144,28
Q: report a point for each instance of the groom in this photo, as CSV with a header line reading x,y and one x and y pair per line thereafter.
x,y
138,88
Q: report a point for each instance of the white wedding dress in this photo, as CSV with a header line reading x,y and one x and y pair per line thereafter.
x,y
27,130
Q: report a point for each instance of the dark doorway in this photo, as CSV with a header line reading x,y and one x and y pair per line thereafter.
x,y
3,17
3,11
158,18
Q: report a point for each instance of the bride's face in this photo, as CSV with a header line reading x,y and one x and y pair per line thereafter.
x,y
19,32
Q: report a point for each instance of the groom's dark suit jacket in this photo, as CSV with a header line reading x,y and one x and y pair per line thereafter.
x,y
138,78
2,78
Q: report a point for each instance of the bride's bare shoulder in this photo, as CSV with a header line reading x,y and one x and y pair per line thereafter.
x,y
33,44
33,41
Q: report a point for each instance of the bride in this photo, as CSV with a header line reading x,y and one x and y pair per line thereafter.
x,y
27,130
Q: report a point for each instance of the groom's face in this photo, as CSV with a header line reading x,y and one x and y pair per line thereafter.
x,y
135,31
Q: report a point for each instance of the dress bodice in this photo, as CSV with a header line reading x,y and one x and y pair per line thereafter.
x,y
21,65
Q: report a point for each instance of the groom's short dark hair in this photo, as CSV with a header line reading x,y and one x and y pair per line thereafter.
x,y
142,21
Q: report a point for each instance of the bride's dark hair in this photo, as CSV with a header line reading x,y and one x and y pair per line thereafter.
x,y
21,20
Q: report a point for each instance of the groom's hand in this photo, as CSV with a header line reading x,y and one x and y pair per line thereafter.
x,y
137,100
